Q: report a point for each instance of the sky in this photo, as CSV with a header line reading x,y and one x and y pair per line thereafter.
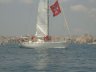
x,y
18,17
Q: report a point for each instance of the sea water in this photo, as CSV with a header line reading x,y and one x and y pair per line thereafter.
x,y
74,58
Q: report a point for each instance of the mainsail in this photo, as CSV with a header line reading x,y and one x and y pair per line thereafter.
x,y
42,19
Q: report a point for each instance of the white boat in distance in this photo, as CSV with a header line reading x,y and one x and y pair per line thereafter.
x,y
92,43
42,38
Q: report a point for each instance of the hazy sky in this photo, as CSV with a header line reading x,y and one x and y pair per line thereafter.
x,y
18,17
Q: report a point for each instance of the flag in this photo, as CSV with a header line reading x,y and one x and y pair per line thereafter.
x,y
55,8
60,1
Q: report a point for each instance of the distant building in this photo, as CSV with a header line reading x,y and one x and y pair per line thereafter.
x,y
86,38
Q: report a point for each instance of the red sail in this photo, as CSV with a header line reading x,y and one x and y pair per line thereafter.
x,y
55,8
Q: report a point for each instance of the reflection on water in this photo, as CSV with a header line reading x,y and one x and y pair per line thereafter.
x,y
41,59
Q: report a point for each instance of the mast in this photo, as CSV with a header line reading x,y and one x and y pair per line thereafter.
x,y
48,15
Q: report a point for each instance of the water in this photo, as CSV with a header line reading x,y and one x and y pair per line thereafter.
x,y
75,58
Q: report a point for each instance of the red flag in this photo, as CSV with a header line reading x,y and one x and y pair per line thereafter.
x,y
55,8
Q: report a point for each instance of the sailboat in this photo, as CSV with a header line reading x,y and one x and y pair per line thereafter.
x,y
42,39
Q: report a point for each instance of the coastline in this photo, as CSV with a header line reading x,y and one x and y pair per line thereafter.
x,y
82,39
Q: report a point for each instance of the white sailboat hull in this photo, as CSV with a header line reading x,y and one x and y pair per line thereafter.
x,y
93,43
44,45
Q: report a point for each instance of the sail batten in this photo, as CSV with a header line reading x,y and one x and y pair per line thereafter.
x,y
42,19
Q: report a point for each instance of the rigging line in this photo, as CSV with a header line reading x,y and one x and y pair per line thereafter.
x,y
48,16
66,23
